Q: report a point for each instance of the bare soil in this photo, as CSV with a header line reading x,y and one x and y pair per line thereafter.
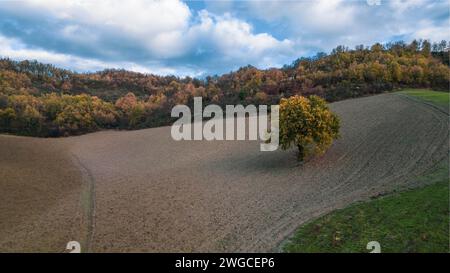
x,y
41,190
141,191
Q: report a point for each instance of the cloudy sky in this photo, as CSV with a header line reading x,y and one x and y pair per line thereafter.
x,y
198,38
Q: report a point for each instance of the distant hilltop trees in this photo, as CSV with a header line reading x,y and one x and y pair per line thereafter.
x,y
42,100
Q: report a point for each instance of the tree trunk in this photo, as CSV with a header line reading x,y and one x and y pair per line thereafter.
x,y
301,153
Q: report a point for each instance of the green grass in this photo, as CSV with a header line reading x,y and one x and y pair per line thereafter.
x,y
436,97
411,221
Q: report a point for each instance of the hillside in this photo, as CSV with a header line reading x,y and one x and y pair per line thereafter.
x,y
142,191
42,100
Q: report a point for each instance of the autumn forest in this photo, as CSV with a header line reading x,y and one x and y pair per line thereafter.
x,y
41,100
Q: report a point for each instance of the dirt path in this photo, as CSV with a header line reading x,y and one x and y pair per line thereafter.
x,y
87,204
154,194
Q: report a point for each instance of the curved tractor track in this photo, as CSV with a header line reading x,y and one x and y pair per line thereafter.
x,y
154,194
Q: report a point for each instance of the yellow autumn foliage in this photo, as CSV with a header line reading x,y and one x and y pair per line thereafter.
x,y
308,124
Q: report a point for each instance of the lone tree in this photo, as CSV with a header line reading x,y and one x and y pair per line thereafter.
x,y
308,124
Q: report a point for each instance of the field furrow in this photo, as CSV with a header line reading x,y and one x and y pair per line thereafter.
x,y
154,194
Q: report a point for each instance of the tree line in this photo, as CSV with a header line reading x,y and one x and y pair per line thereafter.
x,y
42,100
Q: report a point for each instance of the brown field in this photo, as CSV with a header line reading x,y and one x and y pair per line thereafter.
x,y
140,191
40,195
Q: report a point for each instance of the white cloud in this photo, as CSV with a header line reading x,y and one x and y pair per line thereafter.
x,y
234,39
321,15
326,15
400,6
170,38
433,33
14,49
154,25
134,16
140,31
324,24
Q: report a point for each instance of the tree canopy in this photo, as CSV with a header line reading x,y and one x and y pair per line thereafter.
x,y
307,124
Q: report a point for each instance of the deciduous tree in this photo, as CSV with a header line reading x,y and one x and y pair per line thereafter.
x,y
308,124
